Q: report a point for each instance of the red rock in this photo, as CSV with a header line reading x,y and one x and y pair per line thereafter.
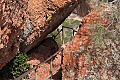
x,y
24,24
82,63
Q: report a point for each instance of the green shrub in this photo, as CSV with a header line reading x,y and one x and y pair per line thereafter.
x,y
16,66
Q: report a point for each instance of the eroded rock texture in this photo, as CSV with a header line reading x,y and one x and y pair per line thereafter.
x,y
44,17
47,48
12,22
25,23
81,61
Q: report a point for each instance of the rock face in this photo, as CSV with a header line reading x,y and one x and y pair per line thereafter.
x,y
23,24
47,48
83,11
44,17
12,22
83,62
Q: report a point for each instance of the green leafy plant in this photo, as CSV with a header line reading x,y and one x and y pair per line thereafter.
x,y
16,66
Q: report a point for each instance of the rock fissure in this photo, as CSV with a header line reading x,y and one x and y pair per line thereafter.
x,y
24,24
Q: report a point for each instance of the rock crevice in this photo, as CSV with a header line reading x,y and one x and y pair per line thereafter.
x,y
25,23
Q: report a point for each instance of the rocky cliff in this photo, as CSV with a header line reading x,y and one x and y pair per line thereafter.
x,y
25,23
12,23
84,61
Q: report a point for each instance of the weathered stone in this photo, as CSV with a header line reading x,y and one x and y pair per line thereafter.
x,y
25,23
45,49
80,62
12,19
44,17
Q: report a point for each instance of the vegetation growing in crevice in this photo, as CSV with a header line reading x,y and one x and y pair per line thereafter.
x,y
15,67
67,32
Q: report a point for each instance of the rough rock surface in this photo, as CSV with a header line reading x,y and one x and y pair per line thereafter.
x,y
12,21
24,23
47,48
79,63
44,17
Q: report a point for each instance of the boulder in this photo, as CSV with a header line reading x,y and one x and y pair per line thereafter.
x,y
25,23
82,61
12,23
